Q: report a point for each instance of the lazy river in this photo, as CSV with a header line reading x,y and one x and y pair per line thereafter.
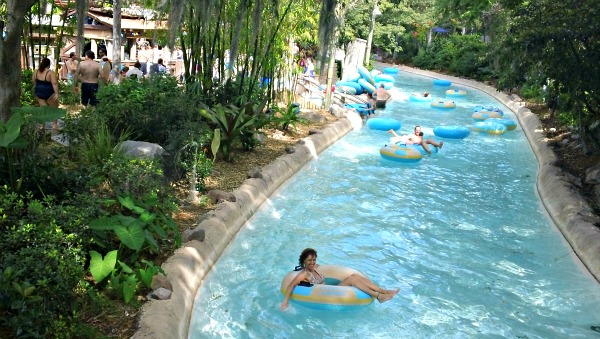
x,y
462,233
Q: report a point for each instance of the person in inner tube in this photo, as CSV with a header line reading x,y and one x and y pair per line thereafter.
x,y
415,138
310,275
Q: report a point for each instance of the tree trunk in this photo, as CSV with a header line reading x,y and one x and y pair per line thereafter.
x,y
116,57
10,56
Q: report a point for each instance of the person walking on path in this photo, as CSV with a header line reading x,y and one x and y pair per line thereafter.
x,y
45,87
89,72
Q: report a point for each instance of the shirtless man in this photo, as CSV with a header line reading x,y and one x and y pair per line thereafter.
x,y
88,73
414,138
71,65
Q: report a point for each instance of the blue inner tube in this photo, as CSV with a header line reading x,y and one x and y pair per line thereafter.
x,y
509,123
400,153
451,132
390,70
356,86
487,108
360,108
489,127
442,82
420,98
384,77
384,124
354,78
366,85
420,149
365,74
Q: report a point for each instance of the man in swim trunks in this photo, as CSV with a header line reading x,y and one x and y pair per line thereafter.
x,y
415,138
88,73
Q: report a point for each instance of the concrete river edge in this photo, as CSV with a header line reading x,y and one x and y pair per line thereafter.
x,y
188,266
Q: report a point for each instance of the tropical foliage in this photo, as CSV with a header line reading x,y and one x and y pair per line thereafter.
x,y
85,222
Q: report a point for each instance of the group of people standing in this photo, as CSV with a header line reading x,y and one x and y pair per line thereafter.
x,y
90,74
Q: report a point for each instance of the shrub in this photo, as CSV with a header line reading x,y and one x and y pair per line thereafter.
x,y
236,126
132,176
42,265
27,96
463,55
154,110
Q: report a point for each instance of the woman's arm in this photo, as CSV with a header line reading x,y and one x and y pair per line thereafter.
x,y
290,289
54,82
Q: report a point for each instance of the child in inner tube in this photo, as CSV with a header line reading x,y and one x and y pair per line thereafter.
x,y
415,138
309,274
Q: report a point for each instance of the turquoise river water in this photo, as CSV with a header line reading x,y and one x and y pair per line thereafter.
x,y
462,234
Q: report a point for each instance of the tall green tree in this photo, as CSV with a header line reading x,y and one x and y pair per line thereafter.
x,y
10,55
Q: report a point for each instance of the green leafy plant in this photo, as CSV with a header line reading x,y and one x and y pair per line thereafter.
x,y
232,122
98,146
138,225
46,265
19,139
146,273
100,268
27,89
287,117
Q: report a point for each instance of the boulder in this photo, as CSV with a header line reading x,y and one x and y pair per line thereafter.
x,y
141,149
216,196
160,294
592,175
160,280
195,234
256,172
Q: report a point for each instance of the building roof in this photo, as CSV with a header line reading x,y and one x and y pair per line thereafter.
x,y
137,24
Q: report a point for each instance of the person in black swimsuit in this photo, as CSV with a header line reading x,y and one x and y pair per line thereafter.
x,y
46,86
309,274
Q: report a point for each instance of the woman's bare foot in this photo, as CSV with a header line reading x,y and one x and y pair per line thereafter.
x,y
391,131
383,297
441,144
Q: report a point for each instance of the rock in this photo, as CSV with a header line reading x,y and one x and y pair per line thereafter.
x,y
592,175
195,234
141,149
315,131
216,196
260,137
160,280
314,117
573,179
290,149
160,294
515,97
256,172
336,110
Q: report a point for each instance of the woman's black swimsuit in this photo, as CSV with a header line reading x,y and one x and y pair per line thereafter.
x,y
43,88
